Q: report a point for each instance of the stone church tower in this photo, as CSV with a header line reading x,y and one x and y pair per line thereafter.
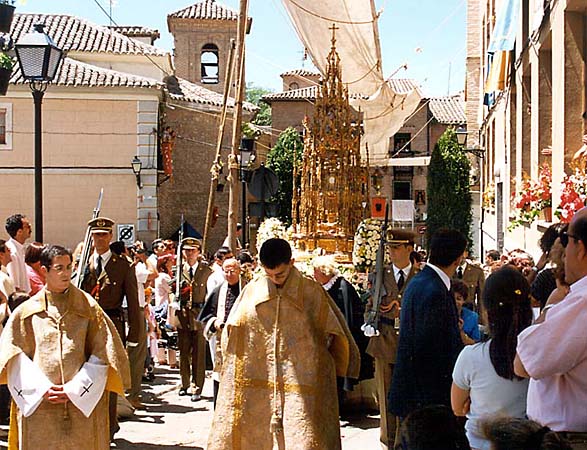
x,y
202,34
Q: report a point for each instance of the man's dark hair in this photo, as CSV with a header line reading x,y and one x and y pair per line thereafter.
x,y
275,252
580,229
13,224
239,227
50,252
117,247
2,245
244,257
156,243
433,427
546,241
446,246
494,255
221,253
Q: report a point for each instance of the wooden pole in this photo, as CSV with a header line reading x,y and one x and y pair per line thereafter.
x,y
233,179
215,170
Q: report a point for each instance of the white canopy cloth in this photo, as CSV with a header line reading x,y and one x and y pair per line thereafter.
x,y
357,43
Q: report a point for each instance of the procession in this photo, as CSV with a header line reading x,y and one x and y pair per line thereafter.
x,y
295,225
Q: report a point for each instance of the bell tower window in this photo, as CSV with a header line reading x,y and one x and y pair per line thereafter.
x,y
209,64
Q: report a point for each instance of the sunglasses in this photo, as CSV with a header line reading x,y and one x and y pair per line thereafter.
x,y
564,237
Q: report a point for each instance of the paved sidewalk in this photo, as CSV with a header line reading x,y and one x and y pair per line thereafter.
x,y
170,421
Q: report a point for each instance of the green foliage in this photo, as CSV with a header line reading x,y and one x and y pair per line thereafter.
x,y
253,95
449,194
6,62
281,160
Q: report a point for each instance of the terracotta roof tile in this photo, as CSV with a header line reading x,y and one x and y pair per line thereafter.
x,y
400,85
74,34
193,93
135,31
448,110
78,74
300,73
206,9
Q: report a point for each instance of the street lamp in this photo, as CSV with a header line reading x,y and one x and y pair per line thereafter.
x,y
38,57
461,133
245,158
137,165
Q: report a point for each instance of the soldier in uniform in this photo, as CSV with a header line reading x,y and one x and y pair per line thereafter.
x,y
474,277
384,347
192,345
110,278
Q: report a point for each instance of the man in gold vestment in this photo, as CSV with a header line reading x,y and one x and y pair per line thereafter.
x,y
283,345
60,355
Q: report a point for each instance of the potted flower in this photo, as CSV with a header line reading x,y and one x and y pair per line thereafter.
x,y
526,204
6,15
6,64
366,244
574,193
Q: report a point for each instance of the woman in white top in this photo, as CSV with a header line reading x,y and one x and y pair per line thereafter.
x,y
162,291
484,384
163,281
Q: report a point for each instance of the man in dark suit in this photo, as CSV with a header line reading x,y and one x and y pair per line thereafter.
x,y
430,339
191,342
384,347
110,278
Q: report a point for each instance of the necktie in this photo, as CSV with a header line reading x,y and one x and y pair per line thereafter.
x,y
400,280
99,266
191,273
460,273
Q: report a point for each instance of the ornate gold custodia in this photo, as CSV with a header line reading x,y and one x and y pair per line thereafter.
x,y
330,184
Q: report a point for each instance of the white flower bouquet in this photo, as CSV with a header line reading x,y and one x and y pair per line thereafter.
x,y
366,244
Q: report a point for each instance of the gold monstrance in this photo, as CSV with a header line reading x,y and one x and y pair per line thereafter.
x,y
330,186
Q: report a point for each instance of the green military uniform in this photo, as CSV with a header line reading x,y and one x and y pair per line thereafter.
x,y
117,281
383,348
191,341
474,277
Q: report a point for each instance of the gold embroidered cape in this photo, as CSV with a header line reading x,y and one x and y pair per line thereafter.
x,y
314,345
63,340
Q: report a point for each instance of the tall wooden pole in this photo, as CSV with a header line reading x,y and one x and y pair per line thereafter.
x,y
233,198
215,170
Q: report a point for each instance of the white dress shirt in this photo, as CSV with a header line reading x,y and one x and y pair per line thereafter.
x,y
105,258
406,270
443,276
17,267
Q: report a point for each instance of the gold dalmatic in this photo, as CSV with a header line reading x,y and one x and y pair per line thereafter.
x,y
330,185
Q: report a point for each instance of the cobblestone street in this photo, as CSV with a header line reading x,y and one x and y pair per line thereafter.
x,y
170,421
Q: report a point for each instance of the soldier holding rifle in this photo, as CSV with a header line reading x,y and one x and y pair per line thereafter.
x,y
109,279
383,345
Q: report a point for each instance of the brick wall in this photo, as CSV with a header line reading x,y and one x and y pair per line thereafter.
x,y
189,38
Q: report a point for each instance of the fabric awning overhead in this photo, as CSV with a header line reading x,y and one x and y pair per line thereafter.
x,y
357,43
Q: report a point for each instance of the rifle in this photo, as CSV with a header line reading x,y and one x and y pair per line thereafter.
x,y
179,263
371,325
85,255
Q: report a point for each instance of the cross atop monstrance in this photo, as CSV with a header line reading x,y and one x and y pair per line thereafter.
x,y
330,184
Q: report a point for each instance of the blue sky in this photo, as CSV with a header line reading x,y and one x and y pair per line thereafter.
x,y
428,35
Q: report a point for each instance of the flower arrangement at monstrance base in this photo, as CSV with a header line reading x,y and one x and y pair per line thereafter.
x,y
271,228
366,244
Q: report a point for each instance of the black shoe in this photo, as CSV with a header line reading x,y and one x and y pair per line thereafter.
x,y
113,431
183,392
195,397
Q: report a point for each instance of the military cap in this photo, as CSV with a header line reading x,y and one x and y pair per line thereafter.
x,y
397,236
191,243
101,224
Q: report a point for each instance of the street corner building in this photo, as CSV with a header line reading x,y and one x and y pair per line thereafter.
x,y
54,339
283,349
